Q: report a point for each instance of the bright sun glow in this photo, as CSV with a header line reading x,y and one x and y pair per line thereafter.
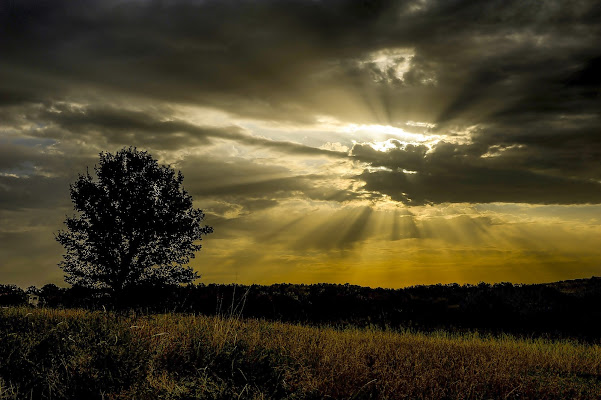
x,y
385,137
386,131
384,146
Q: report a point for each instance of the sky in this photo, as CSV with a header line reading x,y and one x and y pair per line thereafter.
x,y
379,143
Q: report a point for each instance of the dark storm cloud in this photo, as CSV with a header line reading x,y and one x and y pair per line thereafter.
x,y
253,58
453,173
524,73
481,185
272,59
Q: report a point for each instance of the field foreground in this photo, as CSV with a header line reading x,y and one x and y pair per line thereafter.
x,y
75,354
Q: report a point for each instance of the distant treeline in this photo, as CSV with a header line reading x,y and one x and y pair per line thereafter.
x,y
567,309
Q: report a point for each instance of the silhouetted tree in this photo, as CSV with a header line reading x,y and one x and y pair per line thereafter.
x,y
32,290
52,295
136,225
11,295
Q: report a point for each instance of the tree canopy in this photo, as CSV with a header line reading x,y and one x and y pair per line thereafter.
x,y
135,225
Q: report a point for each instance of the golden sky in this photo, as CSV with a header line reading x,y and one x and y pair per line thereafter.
x,y
380,143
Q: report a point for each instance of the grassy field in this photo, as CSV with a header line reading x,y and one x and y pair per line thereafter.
x,y
75,354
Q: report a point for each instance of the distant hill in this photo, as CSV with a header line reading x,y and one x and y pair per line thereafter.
x,y
578,287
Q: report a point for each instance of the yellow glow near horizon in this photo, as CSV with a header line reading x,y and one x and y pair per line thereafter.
x,y
384,244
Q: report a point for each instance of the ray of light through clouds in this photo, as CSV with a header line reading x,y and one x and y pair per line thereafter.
x,y
382,143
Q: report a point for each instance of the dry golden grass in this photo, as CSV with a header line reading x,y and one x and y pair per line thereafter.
x,y
218,357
